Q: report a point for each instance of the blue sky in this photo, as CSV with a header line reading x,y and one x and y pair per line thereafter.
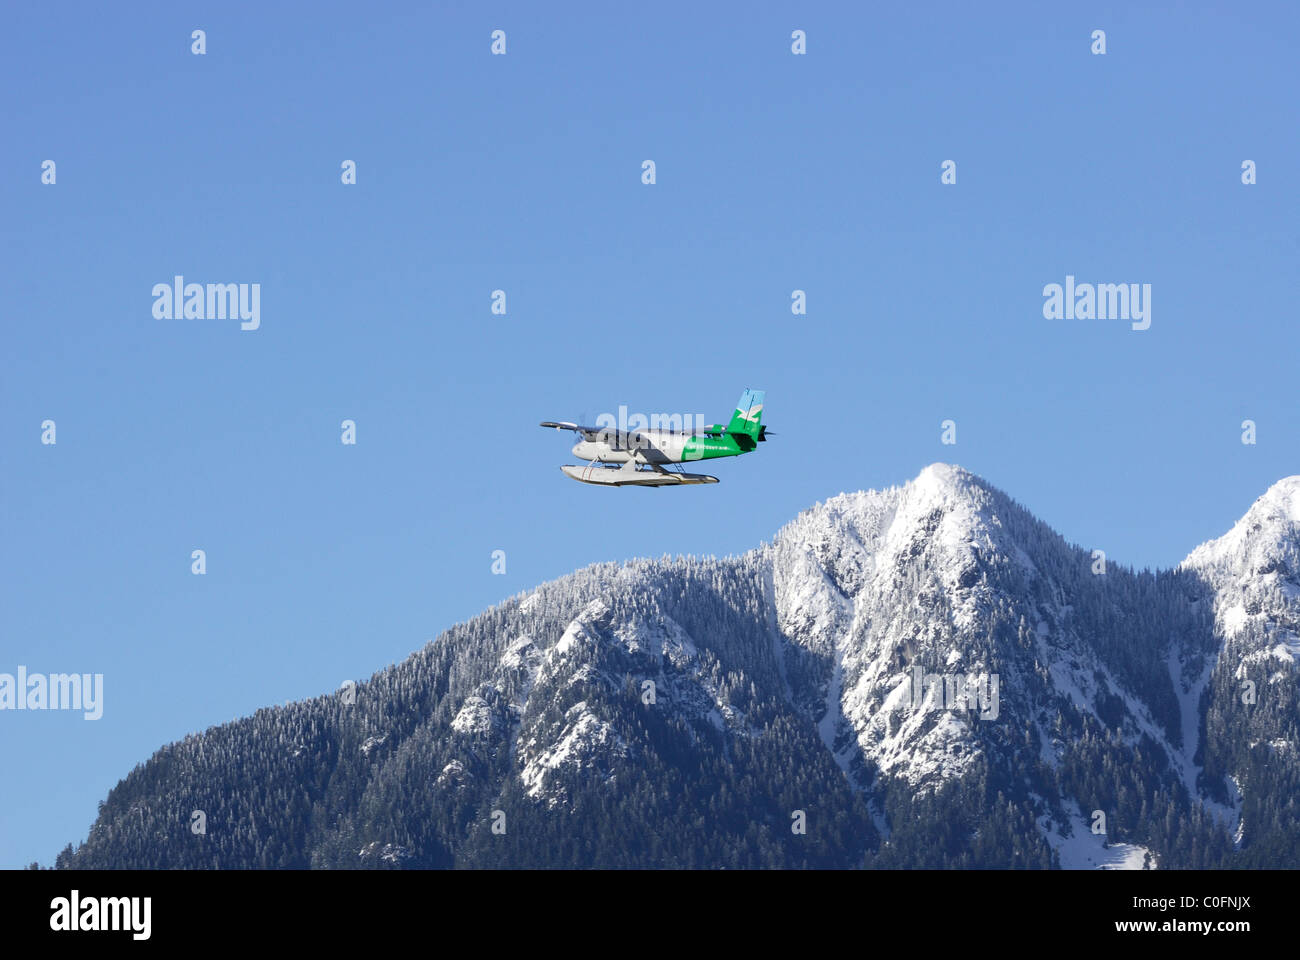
x,y
522,172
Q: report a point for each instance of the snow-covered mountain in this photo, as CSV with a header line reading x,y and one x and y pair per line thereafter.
x,y
920,676
1254,572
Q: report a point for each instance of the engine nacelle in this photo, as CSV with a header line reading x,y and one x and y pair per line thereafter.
x,y
599,450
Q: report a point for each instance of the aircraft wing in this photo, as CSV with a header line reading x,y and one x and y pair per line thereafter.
x,y
606,434
588,433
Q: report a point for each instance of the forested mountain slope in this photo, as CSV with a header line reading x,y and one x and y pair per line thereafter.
x,y
924,676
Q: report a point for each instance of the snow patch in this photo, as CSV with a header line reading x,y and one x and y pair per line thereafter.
x,y
1081,849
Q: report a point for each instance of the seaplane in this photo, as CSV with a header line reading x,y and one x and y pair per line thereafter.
x,y
652,458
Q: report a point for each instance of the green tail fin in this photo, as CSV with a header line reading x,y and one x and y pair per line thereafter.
x,y
748,415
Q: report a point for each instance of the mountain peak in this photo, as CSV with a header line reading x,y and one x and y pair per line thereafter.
x,y
944,512
1282,499
946,474
948,483
1266,537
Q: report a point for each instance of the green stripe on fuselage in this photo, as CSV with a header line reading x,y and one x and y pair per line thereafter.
x,y
709,448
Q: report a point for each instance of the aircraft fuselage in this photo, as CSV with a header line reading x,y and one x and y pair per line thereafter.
x,y
660,446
